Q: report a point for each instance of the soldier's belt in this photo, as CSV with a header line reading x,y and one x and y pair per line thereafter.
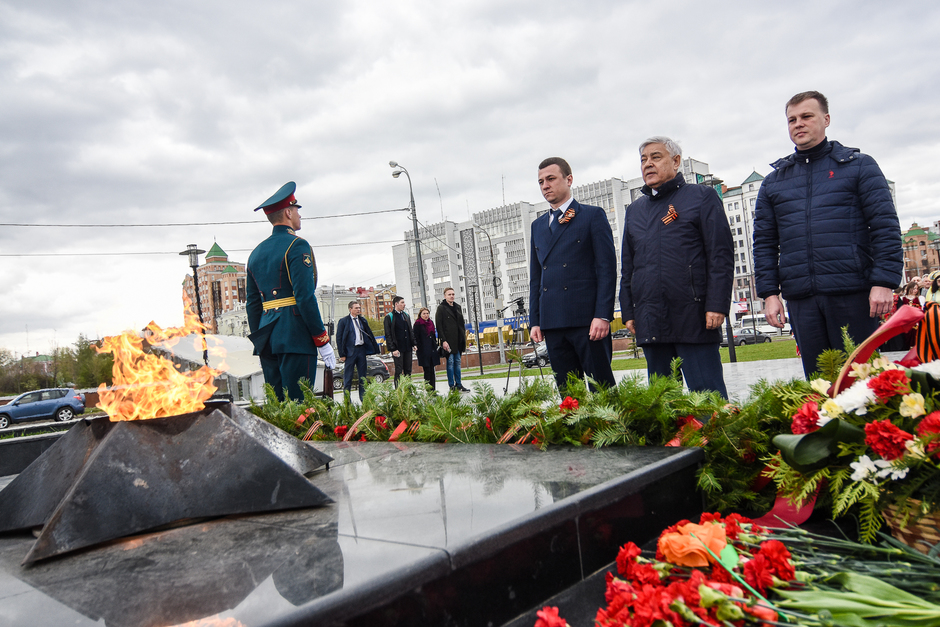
x,y
280,302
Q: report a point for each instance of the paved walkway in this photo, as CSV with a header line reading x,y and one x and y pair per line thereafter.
x,y
739,376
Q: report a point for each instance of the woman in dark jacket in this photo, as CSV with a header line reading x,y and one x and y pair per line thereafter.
x,y
426,342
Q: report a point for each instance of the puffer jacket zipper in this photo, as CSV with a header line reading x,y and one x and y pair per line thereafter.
x,y
809,223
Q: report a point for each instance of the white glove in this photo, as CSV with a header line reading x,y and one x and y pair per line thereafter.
x,y
327,355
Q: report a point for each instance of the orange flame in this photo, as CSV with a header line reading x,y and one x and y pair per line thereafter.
x,y
149,386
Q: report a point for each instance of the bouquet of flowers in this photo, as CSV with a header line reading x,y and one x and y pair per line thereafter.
x,y
732,572
875,444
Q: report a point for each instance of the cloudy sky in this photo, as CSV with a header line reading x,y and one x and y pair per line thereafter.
x,y
188,114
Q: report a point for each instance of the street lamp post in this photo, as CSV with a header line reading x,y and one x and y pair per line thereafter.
x,y
193,252
472,293
497,299
422,286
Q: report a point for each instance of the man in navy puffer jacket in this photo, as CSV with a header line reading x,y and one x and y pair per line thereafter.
x,y
826,236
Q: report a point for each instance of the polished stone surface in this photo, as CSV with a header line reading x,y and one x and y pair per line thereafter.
x,y
420,534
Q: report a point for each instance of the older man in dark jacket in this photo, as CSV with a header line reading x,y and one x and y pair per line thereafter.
x,y
826,236
676,270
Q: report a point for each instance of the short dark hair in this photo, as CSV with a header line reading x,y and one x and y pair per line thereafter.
x,y
806,95
275,216
351,304
561,163
396,299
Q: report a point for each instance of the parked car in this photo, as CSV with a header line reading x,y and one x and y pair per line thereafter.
x,y
375,368
539,357
745,336
624,332
766,329
55,403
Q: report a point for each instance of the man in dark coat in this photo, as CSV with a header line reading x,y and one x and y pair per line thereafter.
x,y
399,337
452,333
676,271
283,315
572,280
354,340
826,237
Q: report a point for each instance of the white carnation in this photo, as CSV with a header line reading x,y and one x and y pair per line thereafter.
x,y
932,368
856,398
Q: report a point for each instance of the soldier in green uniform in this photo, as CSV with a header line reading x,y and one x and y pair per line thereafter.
x,y
283,316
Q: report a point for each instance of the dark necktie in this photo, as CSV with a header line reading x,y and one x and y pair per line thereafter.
x,y
556,215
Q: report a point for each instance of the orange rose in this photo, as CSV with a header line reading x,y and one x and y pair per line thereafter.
x,y
683,550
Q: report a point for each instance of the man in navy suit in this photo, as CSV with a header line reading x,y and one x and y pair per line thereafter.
x,y
354,340
572,280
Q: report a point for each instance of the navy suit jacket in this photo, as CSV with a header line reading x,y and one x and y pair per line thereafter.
x,y
346,337
573,271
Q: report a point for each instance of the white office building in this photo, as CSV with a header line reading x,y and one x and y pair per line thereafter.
x,y
739,208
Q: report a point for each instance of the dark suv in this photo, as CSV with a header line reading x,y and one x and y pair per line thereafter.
x,y
538,357
59,403
375,369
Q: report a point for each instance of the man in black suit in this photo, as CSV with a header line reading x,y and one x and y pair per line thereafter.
x,y
572,280
399,337
355,340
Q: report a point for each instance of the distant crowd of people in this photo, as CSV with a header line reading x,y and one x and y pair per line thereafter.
x,y
916,293
826,240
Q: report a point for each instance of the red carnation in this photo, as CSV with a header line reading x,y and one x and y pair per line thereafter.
x,y
886,439
651,605
806,419
489,424
617,588
687,589
682,421
380,422
732,529
758,573
626,557
708,517
619,596
761,612
341,430
744,520
930,424
889,383
719,575
779,557
548,617
568,404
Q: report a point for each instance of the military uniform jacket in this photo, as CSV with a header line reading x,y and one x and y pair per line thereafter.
x,y
283,314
